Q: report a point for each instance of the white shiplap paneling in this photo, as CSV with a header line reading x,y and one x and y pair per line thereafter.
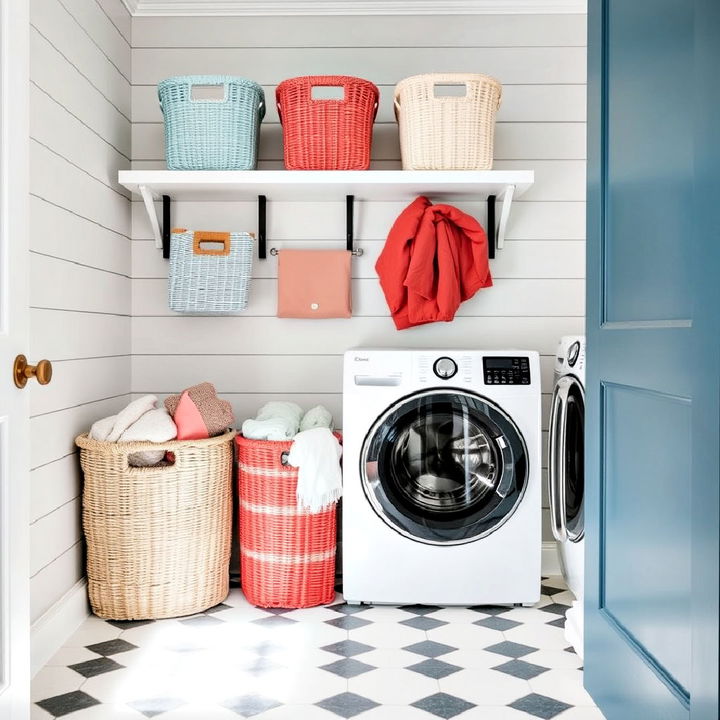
x,y
539,289
80,289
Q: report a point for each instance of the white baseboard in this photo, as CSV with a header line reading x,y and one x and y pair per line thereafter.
x,y
550,563
54,627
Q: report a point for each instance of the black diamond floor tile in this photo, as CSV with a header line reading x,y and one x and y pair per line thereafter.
x,y
346,609
497,623
443,705
347,704
347,622
423,623
555,608
111,647
128,624
429,648
511,649
202,621
434,668
570,649
274,621
97,666
68,702
150,707
491,609
217,608
549,590
348,667
540,706
266,648
348,648
420,609
277,611
261,665
249,705
521,669
558,622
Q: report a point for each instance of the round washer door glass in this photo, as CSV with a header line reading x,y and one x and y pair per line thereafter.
x,y
444,466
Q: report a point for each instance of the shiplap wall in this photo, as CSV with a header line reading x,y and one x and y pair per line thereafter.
x,y
80,260
539,276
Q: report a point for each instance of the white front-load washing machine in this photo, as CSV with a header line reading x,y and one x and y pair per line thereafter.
x,y
442,477
566,475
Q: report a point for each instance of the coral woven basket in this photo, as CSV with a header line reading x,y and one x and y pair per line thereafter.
x,y
441,131
158,538
209,271
287,556
327,134
211,133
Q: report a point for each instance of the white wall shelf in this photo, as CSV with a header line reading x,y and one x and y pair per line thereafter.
x,y
304,185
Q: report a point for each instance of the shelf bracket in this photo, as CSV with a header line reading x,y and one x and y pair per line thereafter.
x,y
166,227
491,231
149,200
507,199
262,227
349,221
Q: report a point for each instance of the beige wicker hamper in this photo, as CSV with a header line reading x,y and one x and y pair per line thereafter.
x,y
447,132
158,538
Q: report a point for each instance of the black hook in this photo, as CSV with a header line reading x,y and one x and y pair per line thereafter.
x,y
349,220
491,232
262,219
166,226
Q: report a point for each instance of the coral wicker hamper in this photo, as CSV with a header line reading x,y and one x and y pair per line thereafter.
x,y
447,132
158,538
287,556
327,134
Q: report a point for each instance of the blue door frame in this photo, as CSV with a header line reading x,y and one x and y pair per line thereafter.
x,y
653,370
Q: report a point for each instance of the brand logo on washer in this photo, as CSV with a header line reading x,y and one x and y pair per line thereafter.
x,y
358,358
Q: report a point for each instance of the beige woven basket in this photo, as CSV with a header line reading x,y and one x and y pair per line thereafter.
x,y
158,538
447,132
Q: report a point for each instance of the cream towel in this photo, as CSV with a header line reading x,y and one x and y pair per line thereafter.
x,y
110,429
157,426
316,453
318,416
270,429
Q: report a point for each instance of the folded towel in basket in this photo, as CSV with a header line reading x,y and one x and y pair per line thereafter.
x,y
270,429
316,453
318,416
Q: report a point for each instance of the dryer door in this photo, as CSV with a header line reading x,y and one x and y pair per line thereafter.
x,y
566,464
444,467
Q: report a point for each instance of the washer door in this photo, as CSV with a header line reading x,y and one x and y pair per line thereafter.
x,y
444,467
567,460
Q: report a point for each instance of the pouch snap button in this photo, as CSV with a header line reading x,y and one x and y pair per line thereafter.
x,y
314,306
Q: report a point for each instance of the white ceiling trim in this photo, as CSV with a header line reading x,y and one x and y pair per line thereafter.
x,y
352,7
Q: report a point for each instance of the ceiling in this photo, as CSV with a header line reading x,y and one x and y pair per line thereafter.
x,y
351,7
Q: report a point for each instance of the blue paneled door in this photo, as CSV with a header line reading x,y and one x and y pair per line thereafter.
x,y
653,372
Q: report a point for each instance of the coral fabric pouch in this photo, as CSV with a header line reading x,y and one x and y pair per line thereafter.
x,y
314,284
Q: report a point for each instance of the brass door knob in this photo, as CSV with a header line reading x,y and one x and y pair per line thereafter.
x,y
22,372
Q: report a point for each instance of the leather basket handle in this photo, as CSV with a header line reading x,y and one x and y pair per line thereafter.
x,y
202,236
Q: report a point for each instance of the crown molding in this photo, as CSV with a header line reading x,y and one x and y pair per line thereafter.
x,y
147,8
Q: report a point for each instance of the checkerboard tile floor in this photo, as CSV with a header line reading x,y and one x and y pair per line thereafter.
x,y
339,661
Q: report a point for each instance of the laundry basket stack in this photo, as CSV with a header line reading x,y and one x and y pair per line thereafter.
x,y
158,538
287,555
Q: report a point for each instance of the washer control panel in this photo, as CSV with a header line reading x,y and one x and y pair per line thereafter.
x,y
506,370
445,368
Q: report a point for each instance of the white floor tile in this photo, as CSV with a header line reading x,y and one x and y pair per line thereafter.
x,y
105,712
555,659
581,713
51,681
485,687
565,685
37,713
93,630
71,655
545,637
390,658
393,686
298,712
387,635
465,636
297,686
474,659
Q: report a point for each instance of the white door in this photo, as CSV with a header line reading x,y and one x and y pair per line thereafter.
x,y
14,421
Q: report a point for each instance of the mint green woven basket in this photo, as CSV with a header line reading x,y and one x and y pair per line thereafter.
x,y
211,134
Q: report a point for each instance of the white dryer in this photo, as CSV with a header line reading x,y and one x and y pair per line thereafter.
x,y
442,477
566,475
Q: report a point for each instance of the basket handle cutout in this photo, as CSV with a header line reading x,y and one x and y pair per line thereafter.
x,y
450,89
211,243
169,462
327,92
284,457
208,93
